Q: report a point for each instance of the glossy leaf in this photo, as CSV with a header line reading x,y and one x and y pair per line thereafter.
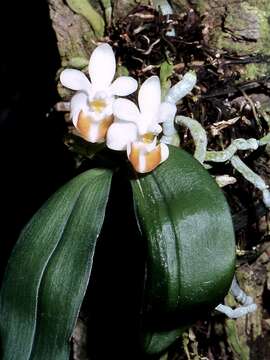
x,y
191,250
49,269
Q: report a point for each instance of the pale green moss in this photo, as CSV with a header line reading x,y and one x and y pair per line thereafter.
x,y
107,5
180,5
121,71
262,12
78,62
255,71
202,6
236,23
166,71
240,349
262,4
238,345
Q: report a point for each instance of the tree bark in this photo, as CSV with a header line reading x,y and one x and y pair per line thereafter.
x,y
238,27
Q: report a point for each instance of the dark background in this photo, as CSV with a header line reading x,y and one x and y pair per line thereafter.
x,y
33,159
34,163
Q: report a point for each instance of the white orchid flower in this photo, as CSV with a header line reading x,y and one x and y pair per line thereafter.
x,y
136,129
91,106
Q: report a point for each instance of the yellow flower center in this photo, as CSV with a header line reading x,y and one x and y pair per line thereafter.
x,y
97,105
147,138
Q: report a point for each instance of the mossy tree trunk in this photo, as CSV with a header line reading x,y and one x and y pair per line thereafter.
x,y
240,28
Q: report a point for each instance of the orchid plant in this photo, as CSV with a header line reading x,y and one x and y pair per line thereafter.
x,y
180,211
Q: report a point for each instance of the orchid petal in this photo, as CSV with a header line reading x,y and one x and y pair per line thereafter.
x,y
120,134
164,152
167,112
77,104
75,80
123,86
155,129
150,96
126,110
102,66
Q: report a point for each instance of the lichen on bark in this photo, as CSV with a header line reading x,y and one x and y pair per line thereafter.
x,y
73,33
239,27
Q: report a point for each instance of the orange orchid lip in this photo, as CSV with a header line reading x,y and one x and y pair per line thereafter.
x,y
91,130
145,161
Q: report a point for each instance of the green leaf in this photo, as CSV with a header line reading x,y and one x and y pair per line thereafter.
x,y
156,342
191,248
49,269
